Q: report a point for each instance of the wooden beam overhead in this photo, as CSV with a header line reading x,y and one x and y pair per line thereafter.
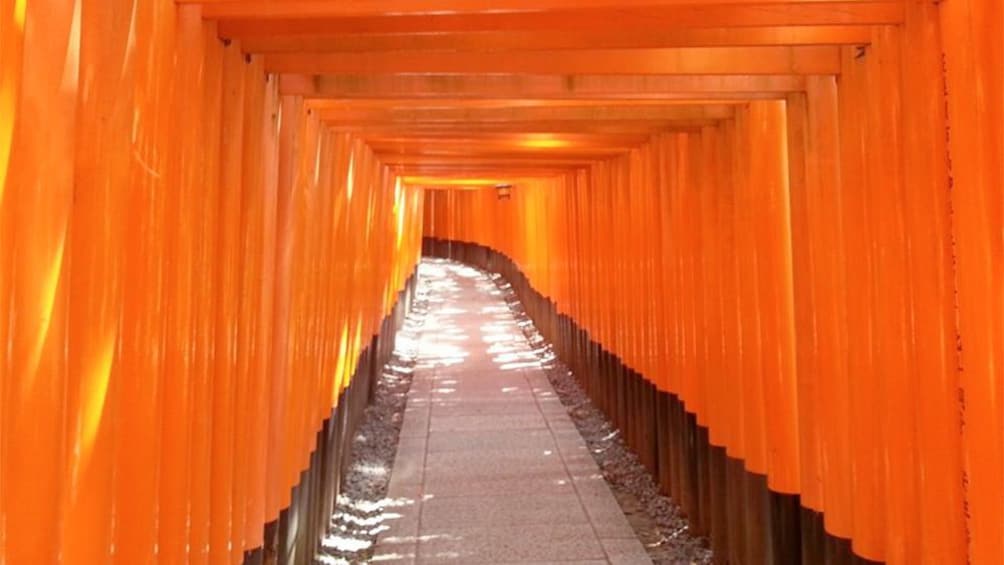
x,y
500,163
514,151
647,127
474,143
462,147
482,169
466,148
534,40
458,169
482,89
415,104
461,179
515,87
817,60
265,17
529,116
269,9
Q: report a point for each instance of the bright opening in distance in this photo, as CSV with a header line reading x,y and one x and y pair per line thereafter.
x,y
544,141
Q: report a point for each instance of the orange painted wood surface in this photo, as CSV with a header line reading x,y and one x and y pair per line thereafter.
x,y
788,213
148,414
838,322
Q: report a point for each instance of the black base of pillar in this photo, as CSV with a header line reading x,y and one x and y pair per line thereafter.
x,y
747,523
293,538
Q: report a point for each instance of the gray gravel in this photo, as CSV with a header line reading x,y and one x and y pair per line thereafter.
x,y
356,522
656,518
357,519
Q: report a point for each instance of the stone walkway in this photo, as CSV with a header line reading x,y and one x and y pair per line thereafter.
x,y
490,469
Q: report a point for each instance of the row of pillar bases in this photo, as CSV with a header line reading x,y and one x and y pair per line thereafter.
x,y
294,537
746,522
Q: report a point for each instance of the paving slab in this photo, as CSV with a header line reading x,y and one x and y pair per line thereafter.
x,y
502,510
476,422
540,483
490,468
483,440
510,543
625,551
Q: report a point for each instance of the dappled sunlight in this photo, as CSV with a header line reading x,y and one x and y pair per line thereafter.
x,y
439,344
400,370
443,341
353,528
372,469
514,356
393,557
486,427
443,312
348,544
520,365
497,339
468,272
329,560
93,409
405,548
441,356
43,309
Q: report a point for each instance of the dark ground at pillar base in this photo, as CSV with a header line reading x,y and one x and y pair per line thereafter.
x,y
294,538
359,506
656,518
747,523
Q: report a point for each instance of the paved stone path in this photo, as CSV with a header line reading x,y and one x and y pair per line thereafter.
x,y
490,469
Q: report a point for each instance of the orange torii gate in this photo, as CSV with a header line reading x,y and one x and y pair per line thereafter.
x,y
783,215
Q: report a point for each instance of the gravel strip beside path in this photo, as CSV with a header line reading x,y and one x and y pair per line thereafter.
x,y
656,518
361,508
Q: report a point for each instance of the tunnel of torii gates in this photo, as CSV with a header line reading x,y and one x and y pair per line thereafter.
x,y
766,235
